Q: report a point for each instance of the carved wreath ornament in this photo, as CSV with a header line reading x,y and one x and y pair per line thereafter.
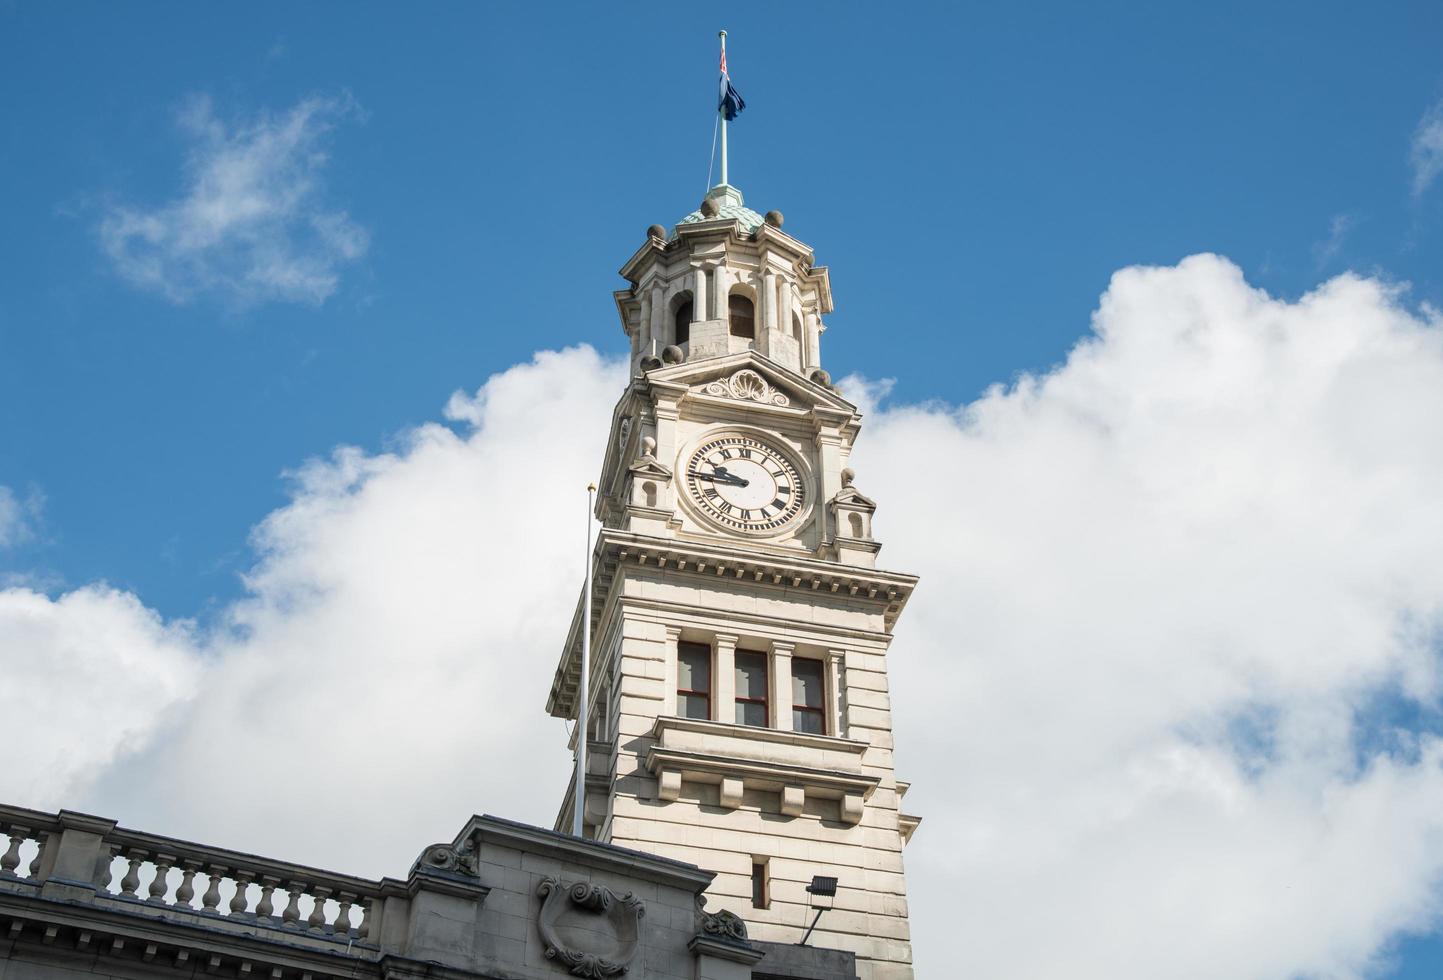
x,y
747,385
621,912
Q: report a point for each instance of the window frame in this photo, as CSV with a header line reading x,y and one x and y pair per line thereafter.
x,y
681,692
736,297
765,700
821,710
761,883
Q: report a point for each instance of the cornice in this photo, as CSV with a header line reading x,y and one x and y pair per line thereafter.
x,y
616,549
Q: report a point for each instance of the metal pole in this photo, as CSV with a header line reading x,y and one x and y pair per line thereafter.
x,y
722,111
583,698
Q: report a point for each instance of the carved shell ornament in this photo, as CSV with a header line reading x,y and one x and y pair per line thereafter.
x,y
618,914
747,385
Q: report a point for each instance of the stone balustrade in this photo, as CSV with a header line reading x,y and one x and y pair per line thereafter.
x,y
150,874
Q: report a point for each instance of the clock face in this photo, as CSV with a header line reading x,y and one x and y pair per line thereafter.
x,y
744,484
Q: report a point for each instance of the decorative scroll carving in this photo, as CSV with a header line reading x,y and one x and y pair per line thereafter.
x,y
727,925
747,385
622,912
458,858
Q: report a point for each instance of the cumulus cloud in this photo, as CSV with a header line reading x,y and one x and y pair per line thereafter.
x,y
1426,154
1167,590
251,224
1164,692
92,678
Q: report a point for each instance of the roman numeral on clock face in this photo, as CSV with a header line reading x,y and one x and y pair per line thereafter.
x,y
711,493
779,504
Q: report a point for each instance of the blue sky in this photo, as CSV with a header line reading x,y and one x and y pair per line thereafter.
x,y
972,177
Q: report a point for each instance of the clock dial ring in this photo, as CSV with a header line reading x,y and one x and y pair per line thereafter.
x,y
746,484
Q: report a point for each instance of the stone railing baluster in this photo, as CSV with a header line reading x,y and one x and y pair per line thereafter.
x,y
103,862
240,901
211,898
131,881
342,927
10,860
265,908
185,894
317,920
363,931
160,884
291,917
41,839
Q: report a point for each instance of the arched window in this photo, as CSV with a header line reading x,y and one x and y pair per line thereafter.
x,y
742,316
796,328
683,321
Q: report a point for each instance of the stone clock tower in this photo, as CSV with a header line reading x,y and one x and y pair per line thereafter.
x,y
739,717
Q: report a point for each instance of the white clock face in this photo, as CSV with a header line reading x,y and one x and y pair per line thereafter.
x,y
744,484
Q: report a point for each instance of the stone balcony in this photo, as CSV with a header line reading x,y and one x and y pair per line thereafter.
x,y
794,765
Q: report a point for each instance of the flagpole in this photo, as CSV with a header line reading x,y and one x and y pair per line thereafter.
x,y
721,110
578,806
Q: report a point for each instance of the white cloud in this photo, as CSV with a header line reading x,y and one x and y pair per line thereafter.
x,y
18,516
1164,588
1426,154
92,677
251,224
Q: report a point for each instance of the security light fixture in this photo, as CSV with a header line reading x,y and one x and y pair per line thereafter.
x,y
823,892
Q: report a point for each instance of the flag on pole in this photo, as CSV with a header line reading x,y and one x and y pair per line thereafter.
x,y
731,102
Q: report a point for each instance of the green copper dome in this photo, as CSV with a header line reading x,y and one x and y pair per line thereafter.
x,y
729,207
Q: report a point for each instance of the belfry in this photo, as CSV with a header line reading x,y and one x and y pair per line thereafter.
x,y
739,716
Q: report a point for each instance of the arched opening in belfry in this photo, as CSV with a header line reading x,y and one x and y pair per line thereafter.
x,y
856,521
741,316
681,320
796,328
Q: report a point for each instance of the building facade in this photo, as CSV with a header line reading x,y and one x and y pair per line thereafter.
x,y
739,716
81,898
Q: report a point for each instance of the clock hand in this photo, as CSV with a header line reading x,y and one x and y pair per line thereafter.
x,y
720,475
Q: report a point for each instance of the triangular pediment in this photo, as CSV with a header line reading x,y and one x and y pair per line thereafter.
x,y
754,379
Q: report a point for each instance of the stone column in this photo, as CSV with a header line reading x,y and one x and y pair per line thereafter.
x,y
812,357
668,704
698,296
779,677
767,315
658,317
721,289
784,305
643,327
836,694
724,684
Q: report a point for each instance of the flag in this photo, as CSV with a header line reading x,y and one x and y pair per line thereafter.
x,y
731,101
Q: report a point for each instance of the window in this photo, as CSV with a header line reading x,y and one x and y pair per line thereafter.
x,y
682,323
693,680
760,898
752,689
808,701
742,316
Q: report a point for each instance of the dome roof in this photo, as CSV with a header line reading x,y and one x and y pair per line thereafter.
x,y
730,207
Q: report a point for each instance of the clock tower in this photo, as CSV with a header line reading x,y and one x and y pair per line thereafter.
x,y
739,715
